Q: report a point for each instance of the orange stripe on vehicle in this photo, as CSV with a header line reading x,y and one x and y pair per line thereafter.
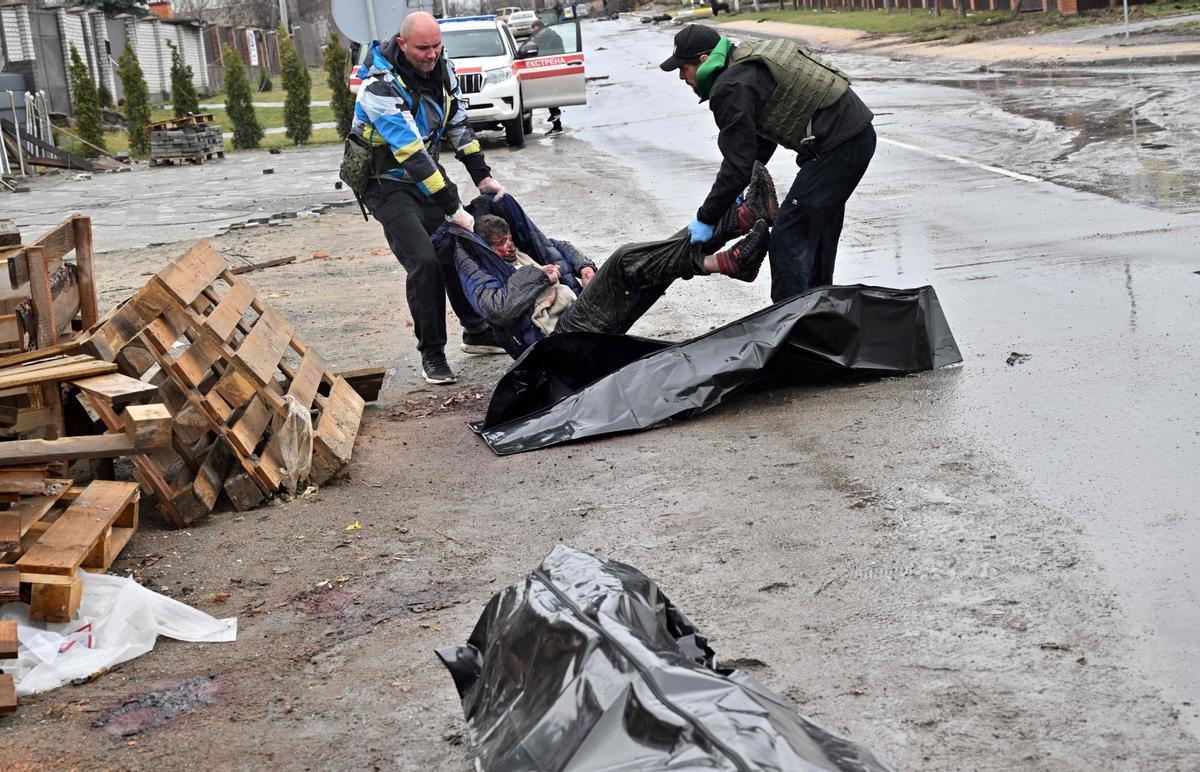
x,y
546,61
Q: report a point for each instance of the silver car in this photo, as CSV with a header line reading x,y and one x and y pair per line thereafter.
x,y
520,23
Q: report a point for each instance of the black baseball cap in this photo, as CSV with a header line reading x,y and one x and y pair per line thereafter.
x,y
690,42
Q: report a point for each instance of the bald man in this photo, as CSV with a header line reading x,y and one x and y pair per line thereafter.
x,y
408,104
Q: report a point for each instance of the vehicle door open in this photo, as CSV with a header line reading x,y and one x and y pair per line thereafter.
x,y
550,67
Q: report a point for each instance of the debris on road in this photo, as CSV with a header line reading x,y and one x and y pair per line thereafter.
x,y
118,620
1017,358
585,663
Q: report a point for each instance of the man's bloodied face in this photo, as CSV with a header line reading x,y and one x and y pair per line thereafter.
x,y
503,246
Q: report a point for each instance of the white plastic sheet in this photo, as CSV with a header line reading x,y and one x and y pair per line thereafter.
x,y
118,620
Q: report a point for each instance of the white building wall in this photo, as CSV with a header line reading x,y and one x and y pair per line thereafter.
x,y
17,34
105,69
71,25
192,45
149,51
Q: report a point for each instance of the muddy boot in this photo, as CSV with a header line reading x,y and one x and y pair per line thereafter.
x,y
743,259
761,202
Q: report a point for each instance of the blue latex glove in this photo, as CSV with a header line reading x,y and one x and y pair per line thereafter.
x,y
701,232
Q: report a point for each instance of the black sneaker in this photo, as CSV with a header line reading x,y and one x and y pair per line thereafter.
x,y
482,342
743,259
761,202
435,368
555,128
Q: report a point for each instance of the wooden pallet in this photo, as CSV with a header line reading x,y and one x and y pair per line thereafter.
x,y
47,294
195,158
232,363
179,123
89,534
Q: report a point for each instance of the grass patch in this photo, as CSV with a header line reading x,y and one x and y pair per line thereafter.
x,y
320,91
898,22
117,141
921,25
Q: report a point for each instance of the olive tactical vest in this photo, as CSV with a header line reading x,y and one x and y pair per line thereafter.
x,y
804,83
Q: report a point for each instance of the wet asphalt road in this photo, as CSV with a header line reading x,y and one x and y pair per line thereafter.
x,y
1054,214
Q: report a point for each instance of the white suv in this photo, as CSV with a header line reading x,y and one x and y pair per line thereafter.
x,y
502,84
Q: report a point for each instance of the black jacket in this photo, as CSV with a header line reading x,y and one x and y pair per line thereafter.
x,y
737,98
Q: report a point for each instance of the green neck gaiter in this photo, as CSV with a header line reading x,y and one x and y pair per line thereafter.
x,y
706,73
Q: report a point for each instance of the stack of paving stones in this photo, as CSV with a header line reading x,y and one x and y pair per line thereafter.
x,y
193,139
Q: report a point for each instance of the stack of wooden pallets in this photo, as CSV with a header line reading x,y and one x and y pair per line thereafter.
x,y
227,366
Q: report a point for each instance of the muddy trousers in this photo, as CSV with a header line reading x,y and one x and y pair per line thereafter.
x,y
408,217
805,237
634,277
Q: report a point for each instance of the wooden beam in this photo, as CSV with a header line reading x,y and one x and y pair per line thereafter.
x,y
85,270
9,575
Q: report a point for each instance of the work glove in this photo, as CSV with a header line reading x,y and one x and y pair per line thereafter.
x,y
462,218
701,232
489,185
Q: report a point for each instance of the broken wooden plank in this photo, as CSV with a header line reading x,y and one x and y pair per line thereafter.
x,y
239,270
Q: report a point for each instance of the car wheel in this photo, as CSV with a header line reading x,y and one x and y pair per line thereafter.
x,y
527,124
514,132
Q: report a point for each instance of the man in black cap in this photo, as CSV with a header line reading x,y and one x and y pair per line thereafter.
x,y
778,93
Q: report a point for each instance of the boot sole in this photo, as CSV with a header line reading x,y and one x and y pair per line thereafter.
x,y
439,381
469,348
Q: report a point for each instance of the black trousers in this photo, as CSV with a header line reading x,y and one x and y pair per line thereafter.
x,y
408,218
634,277
804,240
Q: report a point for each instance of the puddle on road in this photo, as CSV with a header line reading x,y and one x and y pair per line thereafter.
x,y
1118,148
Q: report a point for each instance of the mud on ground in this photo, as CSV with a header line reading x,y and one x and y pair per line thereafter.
x,y
891,581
